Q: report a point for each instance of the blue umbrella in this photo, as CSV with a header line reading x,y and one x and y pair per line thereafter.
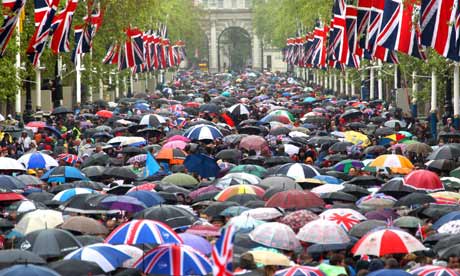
x,y
389,272
38,160
202,164
455,215
63,174
328,179
142,106
203,132
28,269
197,242
309,100
148,198
53,130
234,211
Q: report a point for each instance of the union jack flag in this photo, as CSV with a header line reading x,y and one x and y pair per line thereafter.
x,y
112,54
397,31
45,10
439,23
386,55
362,21
61,26
375,21
319,47
222,253
12,9
134,47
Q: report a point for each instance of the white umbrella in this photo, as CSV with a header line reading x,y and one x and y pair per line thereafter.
x,y
39,219
134,252
10,164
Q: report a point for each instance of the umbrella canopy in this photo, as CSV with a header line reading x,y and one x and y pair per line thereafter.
x,y
231,191
173,156
38,160
376,201
275,235
424,180
174,259
298,270
419,148
9,182
346,165
203,132
264,213
284,182
84,225
197,242
76,267
297,219
123,203
267,257
69,193
143,231
364,227
322,231
147,197
432,270
181,179
397,163
10,164
295,199
387,241
106,256
15,256
297,171
449,151
389,272
256,170
39,219
203,165
171,215
49,243
244,223
63,174
414,199
345,218
28,269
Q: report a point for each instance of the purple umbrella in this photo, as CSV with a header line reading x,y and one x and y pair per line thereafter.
x,y
197,242
204,190
124,203
384,215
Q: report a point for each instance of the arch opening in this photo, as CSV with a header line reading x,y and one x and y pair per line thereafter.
x,y
234,49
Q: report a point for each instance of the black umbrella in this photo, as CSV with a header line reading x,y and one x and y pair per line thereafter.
x,y
449,151
248,122
355,190
366,181
233,138
254,204
338,196
97,159
376,150
250,130
133,150
315,120
76,268
384,131
40,196
205,197
211,108
452,251
173,216
443,165
243,198
231,155
120,173
8,182
413,199
94,172
279,131
277,160
434,211
351,113
356,125
362,228
15,256
49,243
378,120
61,110
102,134
216,208
98,186
322,140
446,242
85,204
253,160
336,157
89,239
341,146
395,187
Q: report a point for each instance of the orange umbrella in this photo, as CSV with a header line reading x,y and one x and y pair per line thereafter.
x,y
173,156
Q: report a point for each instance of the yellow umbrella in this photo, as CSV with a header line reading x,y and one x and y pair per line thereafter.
x,y
270,258
397,163
356,138
446,197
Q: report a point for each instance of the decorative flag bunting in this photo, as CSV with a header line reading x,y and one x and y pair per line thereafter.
x,y
222,253
61,27
12,11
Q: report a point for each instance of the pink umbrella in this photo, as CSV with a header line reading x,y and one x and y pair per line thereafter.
x,y
177,144
178,138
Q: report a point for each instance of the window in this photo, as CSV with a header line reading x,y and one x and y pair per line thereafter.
x,y
220,4
234,4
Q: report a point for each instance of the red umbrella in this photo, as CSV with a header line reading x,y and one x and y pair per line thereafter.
x,y
143,187
294,199
37,124
424,180
204,230
255,142
11,196
105,114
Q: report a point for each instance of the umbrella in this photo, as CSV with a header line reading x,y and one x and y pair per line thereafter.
x,y
63,174
76,267
120,173
171,215
364,227
297,171
451,216
323,232
424,180
283,182
143,231
187,261
85,204
432,270
94,172
376,201
84,225
29,179
197,242
244,223
203,132
389,272
419,148
15,256
397,163
38,160
89,239
8,182
238,110
61,110
396,187
340,147
216,208
202,164
49,243
407,222
346,165
10,196
297,219
10,164
266,258
123,203
39,219
204,230
96,159
337,196
275,235
256,170
69,193
375,243
295,199
449,151
28,269
105,114
254,142
357,138
173,156
180,179
106,256
152,120
147,197
231,191
443,165
298,270
230,155
264,213
414,199
345,218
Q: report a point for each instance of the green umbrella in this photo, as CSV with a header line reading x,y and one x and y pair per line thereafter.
x,y
256,170
181,179
284,113
451,183
346,165
455,173
408,141
408,222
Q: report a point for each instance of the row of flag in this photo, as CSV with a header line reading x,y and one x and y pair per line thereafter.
x,y
146,51
378,30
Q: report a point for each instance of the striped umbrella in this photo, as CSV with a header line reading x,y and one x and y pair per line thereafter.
x,y
298,270
297,171
38,160
387,241
203,132
344,217
69,193
230,191
174,259
346,165
433,270
107,256
397,163
143,231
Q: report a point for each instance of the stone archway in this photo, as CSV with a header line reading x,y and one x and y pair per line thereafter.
x,y
234,50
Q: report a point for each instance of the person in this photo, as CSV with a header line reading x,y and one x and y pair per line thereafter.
x,y
24,141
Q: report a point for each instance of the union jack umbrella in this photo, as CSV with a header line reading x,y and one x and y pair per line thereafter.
x,y
174,259
69,158
300,271
432,270
222,253
344,217
143,187
387,241
143,231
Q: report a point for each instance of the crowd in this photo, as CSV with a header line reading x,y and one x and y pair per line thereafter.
x,y
262,171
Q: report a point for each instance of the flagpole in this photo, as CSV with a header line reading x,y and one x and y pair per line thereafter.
x,y
371,84
346,83
433,115
18,67
414,94
456,96
101,89
78,76
90,87
38,86
380,81
117,88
